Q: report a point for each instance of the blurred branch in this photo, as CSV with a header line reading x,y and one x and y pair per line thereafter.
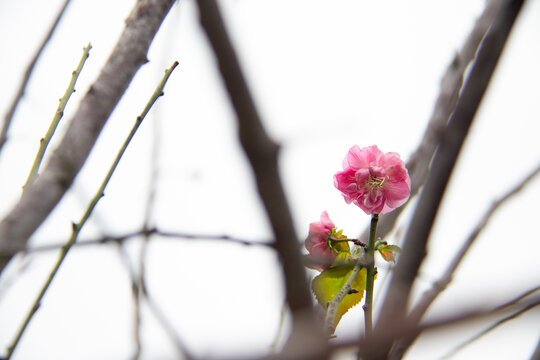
x,y
140,292
405,328
429,296
536,352
262,153
414,248
489,329
451,84
26,78
44,142
149,232
95,108
76,228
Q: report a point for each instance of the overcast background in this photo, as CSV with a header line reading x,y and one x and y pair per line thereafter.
x,y
326,75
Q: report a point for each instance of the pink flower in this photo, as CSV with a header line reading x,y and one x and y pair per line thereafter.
x,y
376,182
317,240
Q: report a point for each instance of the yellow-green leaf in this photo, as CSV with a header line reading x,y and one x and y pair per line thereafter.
x,y
328,284
388,252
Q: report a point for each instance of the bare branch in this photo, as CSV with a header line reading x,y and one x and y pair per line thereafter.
x,y
489,329
76,228
536,353
26,78
452,81
44,142
94,110
262,153
414,248
439,286
140,292
147,233
405,328
429,296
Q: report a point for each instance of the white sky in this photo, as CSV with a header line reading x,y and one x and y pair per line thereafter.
x,y
326,75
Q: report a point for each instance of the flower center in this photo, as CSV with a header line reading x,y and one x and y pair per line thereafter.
x,y
375,183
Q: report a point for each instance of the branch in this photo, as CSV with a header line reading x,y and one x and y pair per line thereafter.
x,y
439,286
26,78
405,328
140,292
76,228
147,233
451,83
429,296
488,329
44,142
414,248
333,305
95,108
262,153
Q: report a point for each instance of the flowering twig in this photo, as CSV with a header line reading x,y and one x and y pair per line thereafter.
x,y
30,68
370,275
44,142
127,57
76,227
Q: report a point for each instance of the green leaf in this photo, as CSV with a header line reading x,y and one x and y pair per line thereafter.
x,y
328,284
388,252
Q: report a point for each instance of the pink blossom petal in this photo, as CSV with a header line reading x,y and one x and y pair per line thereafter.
x,y
374,181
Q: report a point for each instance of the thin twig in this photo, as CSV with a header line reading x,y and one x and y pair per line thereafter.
x,y
76,228
429,296
404,328
141,293
262,153
8,118
488,330
439,286
149,232
44,142
127,57
179,345
150,202
281,325
331,311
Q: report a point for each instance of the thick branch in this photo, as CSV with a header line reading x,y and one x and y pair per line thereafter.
x,y
430,295
94,110
414,249
263,156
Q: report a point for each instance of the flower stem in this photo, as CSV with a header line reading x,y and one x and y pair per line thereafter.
x,y
370,278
